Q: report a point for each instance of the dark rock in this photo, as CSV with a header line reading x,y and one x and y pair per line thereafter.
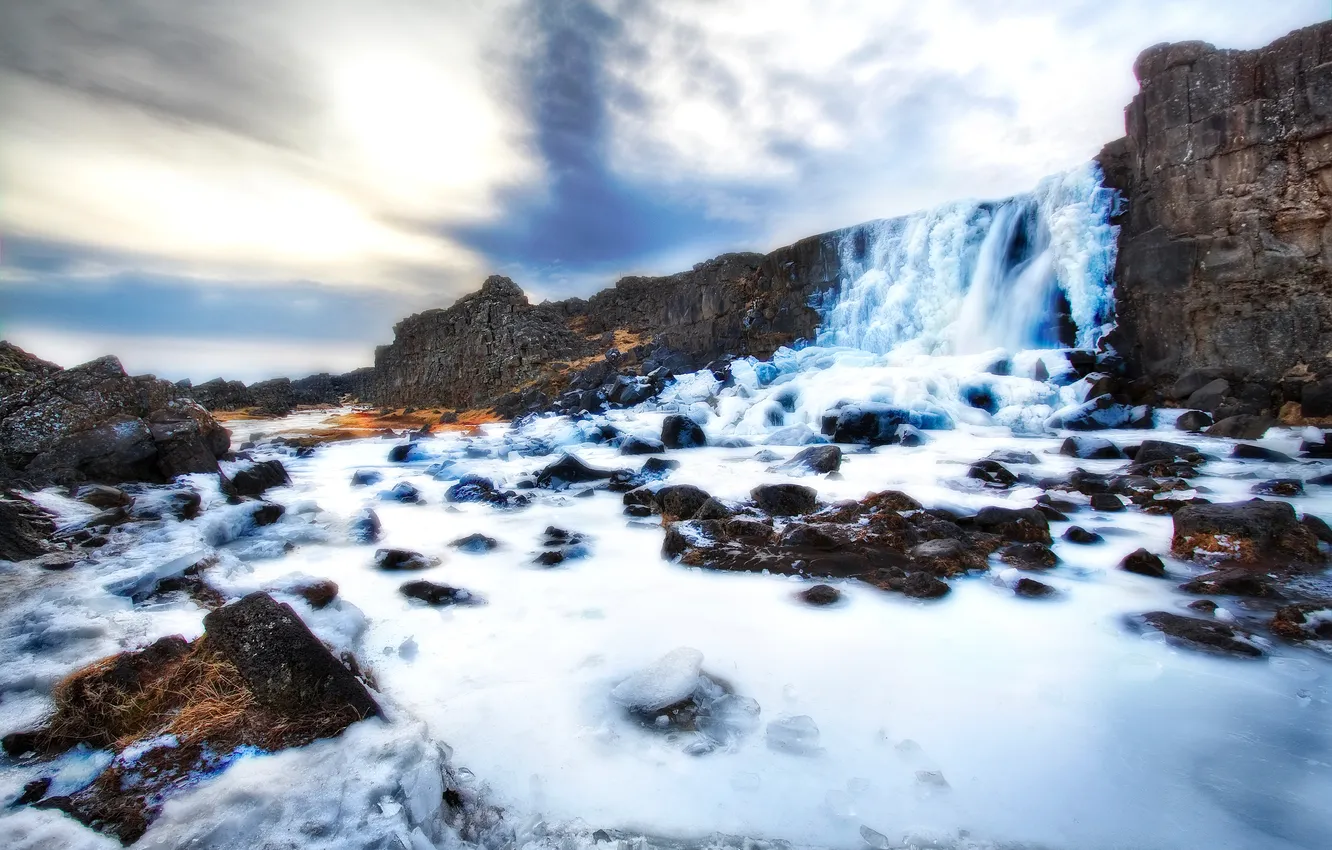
x,y
909,436
785,499
402,559
1012,456
401,453
365,477
1279,487
821,594
1245,451
924,586
404,492
319,593
946,557
992,472
1209,396
1192,381
1078,534
1032,589
1090,448
472,488
1160,451
681,432
657,467
1106,502
364,527
816,459
680,501
639,446
551,558
1242,427
1319,528
1206,606
102,496
1237,581
714,508
1095,415
267,513
1202,635
475,544
1316,398
24,527
1294,623
1245,532
437,595
33,791
1193,420
256,479
285,665
570,470
1021,525
638,511
1028,556
1143,563
870,424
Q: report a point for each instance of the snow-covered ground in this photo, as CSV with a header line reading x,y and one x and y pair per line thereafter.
x,y
1049,722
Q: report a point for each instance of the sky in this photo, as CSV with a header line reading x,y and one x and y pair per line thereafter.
x,y
253,188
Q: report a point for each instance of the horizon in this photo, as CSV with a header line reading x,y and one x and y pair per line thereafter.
x,y
198,215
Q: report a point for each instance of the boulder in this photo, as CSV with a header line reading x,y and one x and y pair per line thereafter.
x,y
1246,532
820,595
366,477
681,432
102,496
785,499
1316,398
816,459
1021,525
475,544
1028,556
1202,635
1209,396
402,559
1143,563
437,595
1013,456
570,470
24,528
364,526
1032,589
992,472
258,478
1247,451
1194,421
1090,448
632,445
404,492
1081,536
1287,487
1106,502
281,660
869,424
680,501
1161,451
1236,581
1303,621
319,593
1242,427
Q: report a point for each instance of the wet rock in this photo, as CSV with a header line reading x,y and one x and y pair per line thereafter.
x,y
947,557
1193,421
402,559
1238,581
437,595
285,665
1161,451
821,594
816,459
923,586
680,501
909,436
1021,525
785,499
403,492
870,424
319,593
992,472
570,470
103,497
1090,448
471,488
1012,456
257,478
1245,451
475,544
24,529
1097,414
638,511
681,432
1319,528
1279,487
364,526
1202,635
401,453
1032,589
1303,621
1205,606
658,467
1209,396
639,446
267,513
550,558
1242,427
714,508
1143,563
1028,556
1106,502
365,478
1081,536
1246,532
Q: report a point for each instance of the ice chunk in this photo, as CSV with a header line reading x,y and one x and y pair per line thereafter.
x,y
728,717
795,735
670,679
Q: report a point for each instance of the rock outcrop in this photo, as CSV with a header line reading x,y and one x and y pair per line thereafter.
x,y
1226,233
95,423
279,396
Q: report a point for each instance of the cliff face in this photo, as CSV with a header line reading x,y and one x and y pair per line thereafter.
x,y
1225,238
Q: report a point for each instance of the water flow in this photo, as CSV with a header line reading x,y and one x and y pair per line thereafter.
x,y
1032,271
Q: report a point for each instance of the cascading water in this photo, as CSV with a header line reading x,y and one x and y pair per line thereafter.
x,y
973,276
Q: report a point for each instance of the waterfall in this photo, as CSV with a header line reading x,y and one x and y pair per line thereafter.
x,y
1031,271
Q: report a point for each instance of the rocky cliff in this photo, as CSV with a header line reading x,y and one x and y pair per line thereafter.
x,y
1225,241
280,396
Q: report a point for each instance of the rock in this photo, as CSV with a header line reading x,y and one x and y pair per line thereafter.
x,y
1242,427
1203,635
1106,502
437,595
258,478
1206,606
475,544
785,499
24,527
1193,420
1022,525
656,467
1279,487
285,665
680,501
1209,396
1192,381
570,470
1078,534
638,511
821,594
550,559
1094,415
319,593
364,526
681,432
1032,589
1245,451
1319,528
1143,563
1028,556
1316,398
1090,448
1160,451
947,557
713,508
266,513
816,459
1303,621
870,424
102,496
909,436
924,586
1238,581
402,559
669,680
365,477
1012,456
400,453
992,472
404,492
639,446
1245,532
